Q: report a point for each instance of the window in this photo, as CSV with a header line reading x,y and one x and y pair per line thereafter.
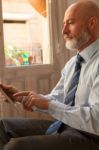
x,y
25,34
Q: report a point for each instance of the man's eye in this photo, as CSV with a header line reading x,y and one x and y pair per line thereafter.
x,y
70,22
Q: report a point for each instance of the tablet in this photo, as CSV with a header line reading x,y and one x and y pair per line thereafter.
x,y
9,99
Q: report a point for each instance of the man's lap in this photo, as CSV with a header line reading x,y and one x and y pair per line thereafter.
x,y
28,134
18,127
68,140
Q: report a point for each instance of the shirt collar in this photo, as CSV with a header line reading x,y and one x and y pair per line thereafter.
x,y
89,51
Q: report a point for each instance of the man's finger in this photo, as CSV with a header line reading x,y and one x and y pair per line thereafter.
x,y
22,93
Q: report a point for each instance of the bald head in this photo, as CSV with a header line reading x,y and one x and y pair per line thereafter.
x,y
81,24
84,9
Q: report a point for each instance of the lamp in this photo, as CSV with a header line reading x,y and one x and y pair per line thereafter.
x,y
39,5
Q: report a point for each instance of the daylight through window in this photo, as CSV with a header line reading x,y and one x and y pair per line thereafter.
x,y
25,34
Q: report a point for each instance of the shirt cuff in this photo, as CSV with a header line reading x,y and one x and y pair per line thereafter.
x,y
56,109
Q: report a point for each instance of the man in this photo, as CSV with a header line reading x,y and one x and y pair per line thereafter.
x,y
79,115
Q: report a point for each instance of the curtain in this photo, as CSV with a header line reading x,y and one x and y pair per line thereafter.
x,y
39,5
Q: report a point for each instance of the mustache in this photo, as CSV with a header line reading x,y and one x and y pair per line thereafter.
x,y
68,36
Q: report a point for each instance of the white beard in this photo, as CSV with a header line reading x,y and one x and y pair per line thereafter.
x,y
76,43
70,44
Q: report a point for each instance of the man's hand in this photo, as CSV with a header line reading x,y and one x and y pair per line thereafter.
x,y
10,90
33,99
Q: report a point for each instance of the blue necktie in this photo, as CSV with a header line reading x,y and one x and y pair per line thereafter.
x,y
70,97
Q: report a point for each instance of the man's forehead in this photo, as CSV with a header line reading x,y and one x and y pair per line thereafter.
x,y
69,15
72,12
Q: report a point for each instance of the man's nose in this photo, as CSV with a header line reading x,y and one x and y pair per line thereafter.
x,y
65,29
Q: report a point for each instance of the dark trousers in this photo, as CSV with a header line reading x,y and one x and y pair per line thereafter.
x,y
29,134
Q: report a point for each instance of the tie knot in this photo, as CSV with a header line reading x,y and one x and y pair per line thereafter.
x,y
79,59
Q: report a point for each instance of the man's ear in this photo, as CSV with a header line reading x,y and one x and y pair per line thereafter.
x,y
92,22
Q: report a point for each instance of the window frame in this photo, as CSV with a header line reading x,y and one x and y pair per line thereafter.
x,y
49,57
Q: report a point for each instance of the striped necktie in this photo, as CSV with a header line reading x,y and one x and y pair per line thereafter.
x,y
70,97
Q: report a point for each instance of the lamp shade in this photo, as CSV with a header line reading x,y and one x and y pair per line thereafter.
x,y
39,5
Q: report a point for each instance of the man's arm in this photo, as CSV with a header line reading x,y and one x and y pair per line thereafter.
x,y
82,117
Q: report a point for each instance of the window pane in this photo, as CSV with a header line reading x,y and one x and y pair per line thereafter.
x,y
25,34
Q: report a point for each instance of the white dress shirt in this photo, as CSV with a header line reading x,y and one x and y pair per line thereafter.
x,y
85,114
